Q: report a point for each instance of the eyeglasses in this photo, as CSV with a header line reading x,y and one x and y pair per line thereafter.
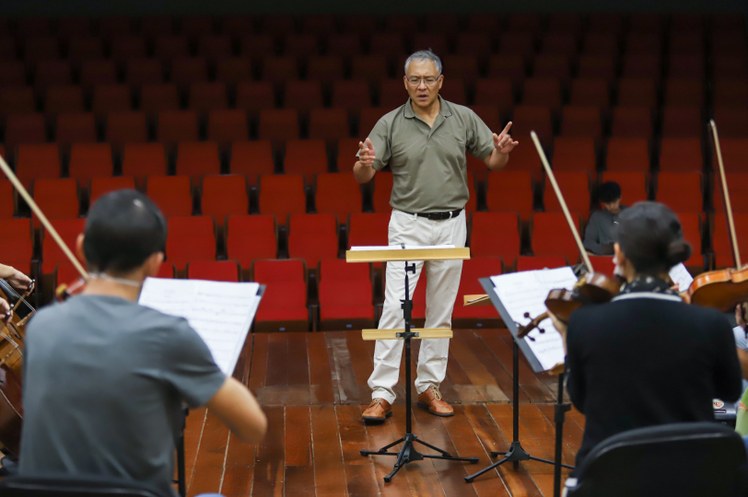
x,y
429,81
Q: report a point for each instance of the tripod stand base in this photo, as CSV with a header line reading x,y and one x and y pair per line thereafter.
x,y
515,454
408,453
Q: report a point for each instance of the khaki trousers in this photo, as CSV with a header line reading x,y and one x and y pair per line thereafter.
x,y
443,280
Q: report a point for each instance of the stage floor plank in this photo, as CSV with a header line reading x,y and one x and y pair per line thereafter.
x,y
312,387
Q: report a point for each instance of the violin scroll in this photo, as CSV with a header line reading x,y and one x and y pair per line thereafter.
x,y
525,329
592,288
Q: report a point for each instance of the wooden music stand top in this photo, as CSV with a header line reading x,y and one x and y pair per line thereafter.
x,y
406,253
420,333
476,299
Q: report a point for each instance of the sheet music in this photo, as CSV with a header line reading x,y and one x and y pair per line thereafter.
x,y
220,312
525,292
680,276
401,247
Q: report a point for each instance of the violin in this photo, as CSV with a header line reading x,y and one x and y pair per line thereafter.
x,y
11,337
11,363
722,288
591,288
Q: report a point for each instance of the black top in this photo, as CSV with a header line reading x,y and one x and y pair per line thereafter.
x,y
647,359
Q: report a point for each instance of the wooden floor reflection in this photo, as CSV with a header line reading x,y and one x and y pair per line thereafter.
x,y
313,388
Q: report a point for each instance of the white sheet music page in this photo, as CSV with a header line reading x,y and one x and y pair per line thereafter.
x,y
525,292
680,276
220,312
400,247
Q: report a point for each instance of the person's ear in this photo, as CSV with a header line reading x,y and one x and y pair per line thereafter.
x,y
153,263
623,265
79,247
618,254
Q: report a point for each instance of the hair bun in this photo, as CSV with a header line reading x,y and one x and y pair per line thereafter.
x,y
678,251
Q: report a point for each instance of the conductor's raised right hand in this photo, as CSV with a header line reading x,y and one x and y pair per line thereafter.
x,y
363,169
366,154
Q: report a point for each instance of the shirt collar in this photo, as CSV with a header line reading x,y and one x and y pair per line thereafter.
x,y
647,295
445,108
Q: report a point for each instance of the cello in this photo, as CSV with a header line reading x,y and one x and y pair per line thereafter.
x,y
722,288
11,337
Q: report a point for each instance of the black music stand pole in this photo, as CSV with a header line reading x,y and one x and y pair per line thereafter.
x,y
181,472
559,412
516,452
408,452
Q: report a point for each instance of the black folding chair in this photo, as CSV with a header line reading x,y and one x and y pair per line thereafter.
x,y
69,486
680,459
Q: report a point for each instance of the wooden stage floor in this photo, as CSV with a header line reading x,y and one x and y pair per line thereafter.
x,y
312,387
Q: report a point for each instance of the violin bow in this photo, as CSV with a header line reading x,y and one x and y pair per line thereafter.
x,y
559,195
42,218
726,194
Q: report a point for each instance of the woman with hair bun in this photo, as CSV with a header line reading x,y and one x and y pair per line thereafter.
x,y
646,357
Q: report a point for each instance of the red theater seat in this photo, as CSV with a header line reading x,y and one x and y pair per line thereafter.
x,y
284,303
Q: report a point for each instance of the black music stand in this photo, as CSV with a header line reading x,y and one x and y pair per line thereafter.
x,y
559,412
181,480
408,452
181,476
516,453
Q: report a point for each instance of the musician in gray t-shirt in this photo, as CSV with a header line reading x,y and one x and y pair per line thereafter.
x,y
106,380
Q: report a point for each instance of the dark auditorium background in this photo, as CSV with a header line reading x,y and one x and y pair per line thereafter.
x,y
177,7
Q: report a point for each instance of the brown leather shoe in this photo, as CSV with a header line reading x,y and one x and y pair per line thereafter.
x,y
378,410
431,400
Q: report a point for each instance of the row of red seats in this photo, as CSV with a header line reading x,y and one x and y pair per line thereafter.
x,y
86,161
373,68
280,125
166,45
338,194
448,23
353,95
339,308
312,237
342,295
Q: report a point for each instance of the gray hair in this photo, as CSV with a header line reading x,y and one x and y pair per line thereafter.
x,y
424,55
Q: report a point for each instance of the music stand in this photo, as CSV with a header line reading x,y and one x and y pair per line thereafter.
x,y
408,452
516,453
176,297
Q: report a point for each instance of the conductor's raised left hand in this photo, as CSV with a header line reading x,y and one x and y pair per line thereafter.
x,y
503,142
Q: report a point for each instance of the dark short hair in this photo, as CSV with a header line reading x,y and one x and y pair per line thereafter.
x,y
123,229
608,192
651,237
